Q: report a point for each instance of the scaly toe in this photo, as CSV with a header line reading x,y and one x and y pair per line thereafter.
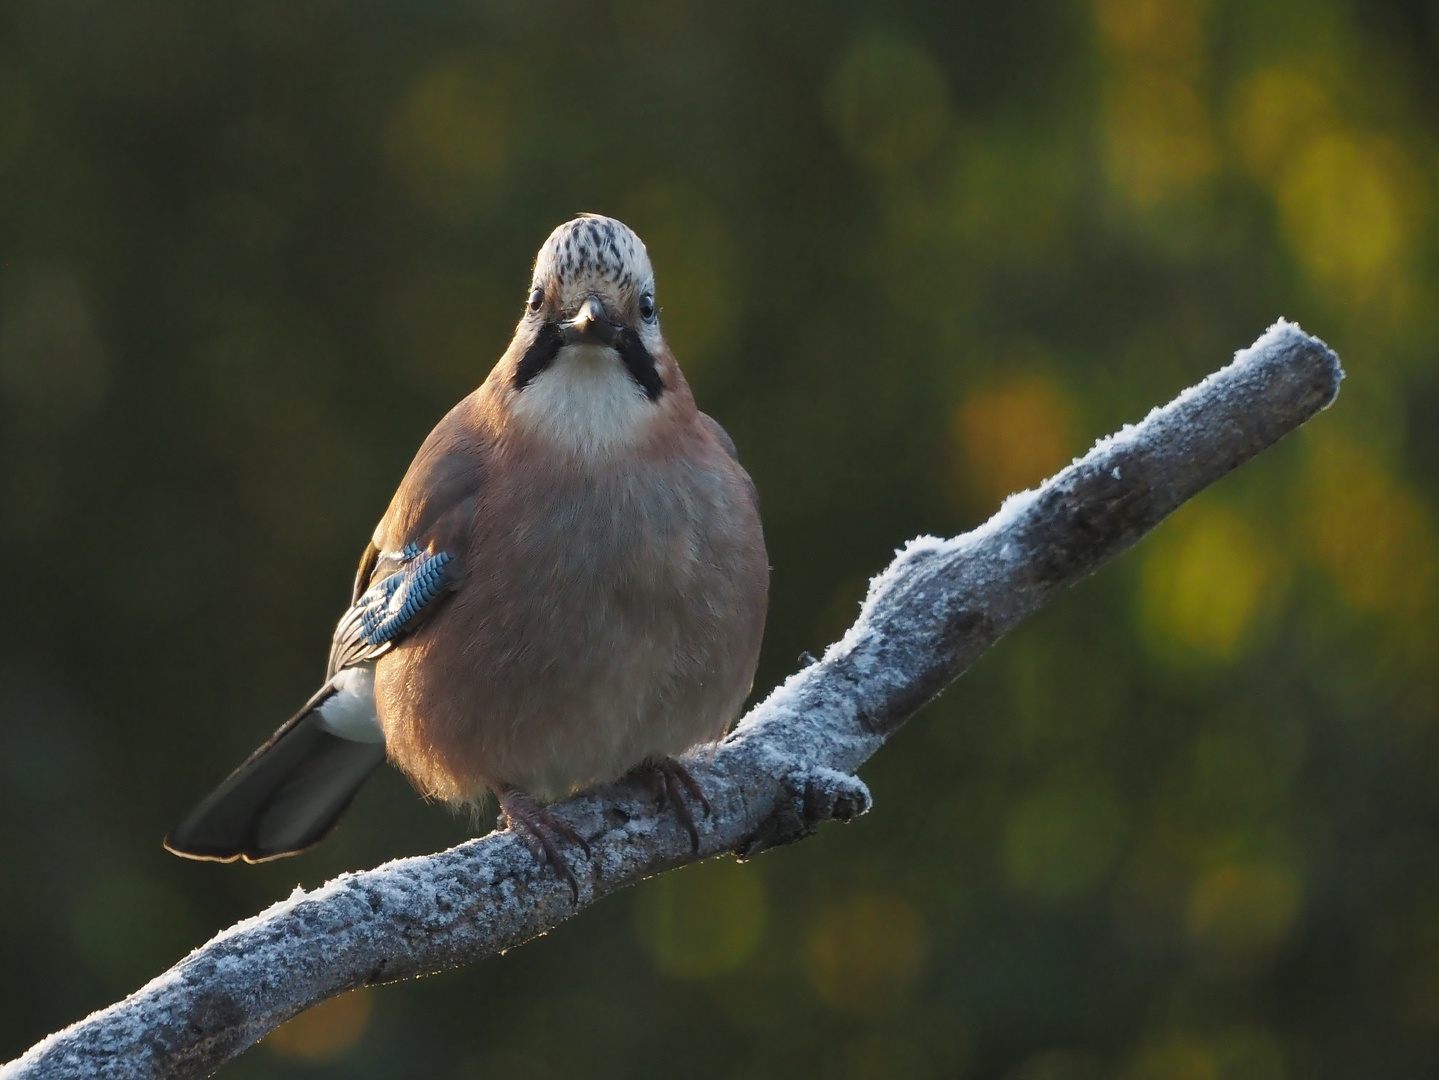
x,y
670,781
541,830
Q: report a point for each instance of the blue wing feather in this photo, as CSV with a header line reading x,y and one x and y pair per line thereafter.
x,y
387,607
390,606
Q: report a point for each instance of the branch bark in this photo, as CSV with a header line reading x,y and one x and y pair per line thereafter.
x,y
788,766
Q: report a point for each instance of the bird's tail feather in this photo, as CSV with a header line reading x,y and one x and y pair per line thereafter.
x,y
286,797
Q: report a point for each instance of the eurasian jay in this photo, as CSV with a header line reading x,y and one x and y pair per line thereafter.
x,y
569,585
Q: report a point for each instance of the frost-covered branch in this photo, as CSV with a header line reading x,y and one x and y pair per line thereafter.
x,y
788,766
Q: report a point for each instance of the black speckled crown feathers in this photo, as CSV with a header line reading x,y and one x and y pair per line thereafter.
x,y
590,247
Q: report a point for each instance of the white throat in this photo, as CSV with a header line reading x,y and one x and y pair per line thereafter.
x,y
585,401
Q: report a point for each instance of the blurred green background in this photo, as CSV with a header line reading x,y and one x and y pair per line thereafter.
x,y
914,256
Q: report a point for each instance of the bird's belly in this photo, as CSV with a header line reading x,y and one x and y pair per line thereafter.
x,y
566,664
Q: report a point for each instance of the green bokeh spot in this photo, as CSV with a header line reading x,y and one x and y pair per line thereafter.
x,y
1062,839
128,928
702,921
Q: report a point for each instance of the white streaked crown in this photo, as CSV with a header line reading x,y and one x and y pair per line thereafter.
x,y
593,255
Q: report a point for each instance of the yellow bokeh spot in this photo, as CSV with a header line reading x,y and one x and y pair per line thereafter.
x,y
1158,134
695,271
1249,1053
1063,839
326,1032
1238,913
1014,434
1236,1054
1154,29
866,954
889,103
1370,532
1275,112
1206,580
1346,207
702,921
451,137
1179,1057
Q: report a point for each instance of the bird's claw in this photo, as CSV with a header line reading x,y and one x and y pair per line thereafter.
x,y
541,830
812,794
669,780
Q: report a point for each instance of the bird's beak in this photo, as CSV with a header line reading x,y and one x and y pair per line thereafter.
x,y
589,326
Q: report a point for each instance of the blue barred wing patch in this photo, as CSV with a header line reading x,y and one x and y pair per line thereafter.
x,y
387,608
389,604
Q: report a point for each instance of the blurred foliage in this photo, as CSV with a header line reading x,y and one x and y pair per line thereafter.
x,y
914,256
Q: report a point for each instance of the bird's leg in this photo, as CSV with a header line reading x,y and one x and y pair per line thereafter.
x,y
541,830
669,780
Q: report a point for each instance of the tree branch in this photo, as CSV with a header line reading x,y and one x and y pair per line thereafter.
x,y
788,765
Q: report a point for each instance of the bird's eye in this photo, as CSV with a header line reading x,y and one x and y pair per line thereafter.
x,y
537,299
647,307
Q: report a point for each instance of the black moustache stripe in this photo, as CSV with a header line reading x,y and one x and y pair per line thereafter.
x,y
540,355
639,363
632,352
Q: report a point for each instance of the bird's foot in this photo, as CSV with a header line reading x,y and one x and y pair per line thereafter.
x,y
541,829
811,794
669,780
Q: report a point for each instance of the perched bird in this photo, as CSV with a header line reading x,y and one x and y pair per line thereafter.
x,y
569,585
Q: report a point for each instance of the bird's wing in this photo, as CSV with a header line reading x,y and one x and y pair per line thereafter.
x,y
415,557
720,434
291,792
723,438
404,587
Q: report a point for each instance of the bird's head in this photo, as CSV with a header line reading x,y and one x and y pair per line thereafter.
x,y
589,368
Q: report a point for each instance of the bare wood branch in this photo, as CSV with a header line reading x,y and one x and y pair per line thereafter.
x,y
788,766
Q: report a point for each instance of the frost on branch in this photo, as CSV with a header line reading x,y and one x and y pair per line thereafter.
x,y
788,766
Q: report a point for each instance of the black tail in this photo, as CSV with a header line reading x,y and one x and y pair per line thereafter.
x,y
285,798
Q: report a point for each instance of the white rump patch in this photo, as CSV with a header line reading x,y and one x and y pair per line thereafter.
x,y
350,712
585,401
